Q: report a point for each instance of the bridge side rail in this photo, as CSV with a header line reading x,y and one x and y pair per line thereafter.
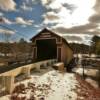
x,y
9,76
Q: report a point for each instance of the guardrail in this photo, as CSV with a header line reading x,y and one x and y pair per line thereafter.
x,y
8,78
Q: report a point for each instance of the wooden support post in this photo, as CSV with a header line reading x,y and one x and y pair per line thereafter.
x,y
37,66
59,66
26,70
9,83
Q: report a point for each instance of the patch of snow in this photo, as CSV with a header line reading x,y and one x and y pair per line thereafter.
x,y
92,82
90,71
52,85
79,70
62,85
5,97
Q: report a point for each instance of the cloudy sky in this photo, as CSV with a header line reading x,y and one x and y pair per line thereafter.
x,y
76,20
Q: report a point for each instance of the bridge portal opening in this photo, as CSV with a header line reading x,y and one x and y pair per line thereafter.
x,y
46,49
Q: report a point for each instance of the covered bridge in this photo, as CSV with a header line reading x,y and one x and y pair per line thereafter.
x,y
49,45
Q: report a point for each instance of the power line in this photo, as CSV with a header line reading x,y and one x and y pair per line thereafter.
x,y
18,33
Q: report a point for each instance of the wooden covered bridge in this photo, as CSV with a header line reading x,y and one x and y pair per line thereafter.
x,y
49,45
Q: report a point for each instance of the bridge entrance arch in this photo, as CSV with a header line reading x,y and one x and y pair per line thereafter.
x,y
46,49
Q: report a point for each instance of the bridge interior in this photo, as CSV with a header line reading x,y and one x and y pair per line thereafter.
x,y
46,49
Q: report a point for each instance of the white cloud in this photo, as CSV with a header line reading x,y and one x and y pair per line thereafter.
x,y
5,20
50,17
1,14
55,5
71,12
44,2
5,31
7,5
38,25
77,38
25,7
20,20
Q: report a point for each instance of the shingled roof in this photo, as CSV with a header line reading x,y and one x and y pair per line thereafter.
x,y
47,30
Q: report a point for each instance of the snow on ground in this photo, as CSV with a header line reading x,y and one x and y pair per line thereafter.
x,y
90,72
5,97
94,83
50,86
61,84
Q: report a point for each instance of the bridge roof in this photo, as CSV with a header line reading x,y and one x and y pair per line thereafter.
x,y
57,35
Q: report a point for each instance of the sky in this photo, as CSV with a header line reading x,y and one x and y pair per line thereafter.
x,y
75,20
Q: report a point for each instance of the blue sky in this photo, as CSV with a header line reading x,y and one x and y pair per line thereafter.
x,y
34,14
76,20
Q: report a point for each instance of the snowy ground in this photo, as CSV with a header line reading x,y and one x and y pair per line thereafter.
x,y
89,73
53,85
50,86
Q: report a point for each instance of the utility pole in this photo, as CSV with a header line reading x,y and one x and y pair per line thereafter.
x,y
83,71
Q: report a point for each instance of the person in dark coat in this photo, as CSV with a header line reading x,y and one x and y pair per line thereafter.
x,y
71,65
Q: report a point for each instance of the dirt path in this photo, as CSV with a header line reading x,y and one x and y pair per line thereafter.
x,y
85,91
